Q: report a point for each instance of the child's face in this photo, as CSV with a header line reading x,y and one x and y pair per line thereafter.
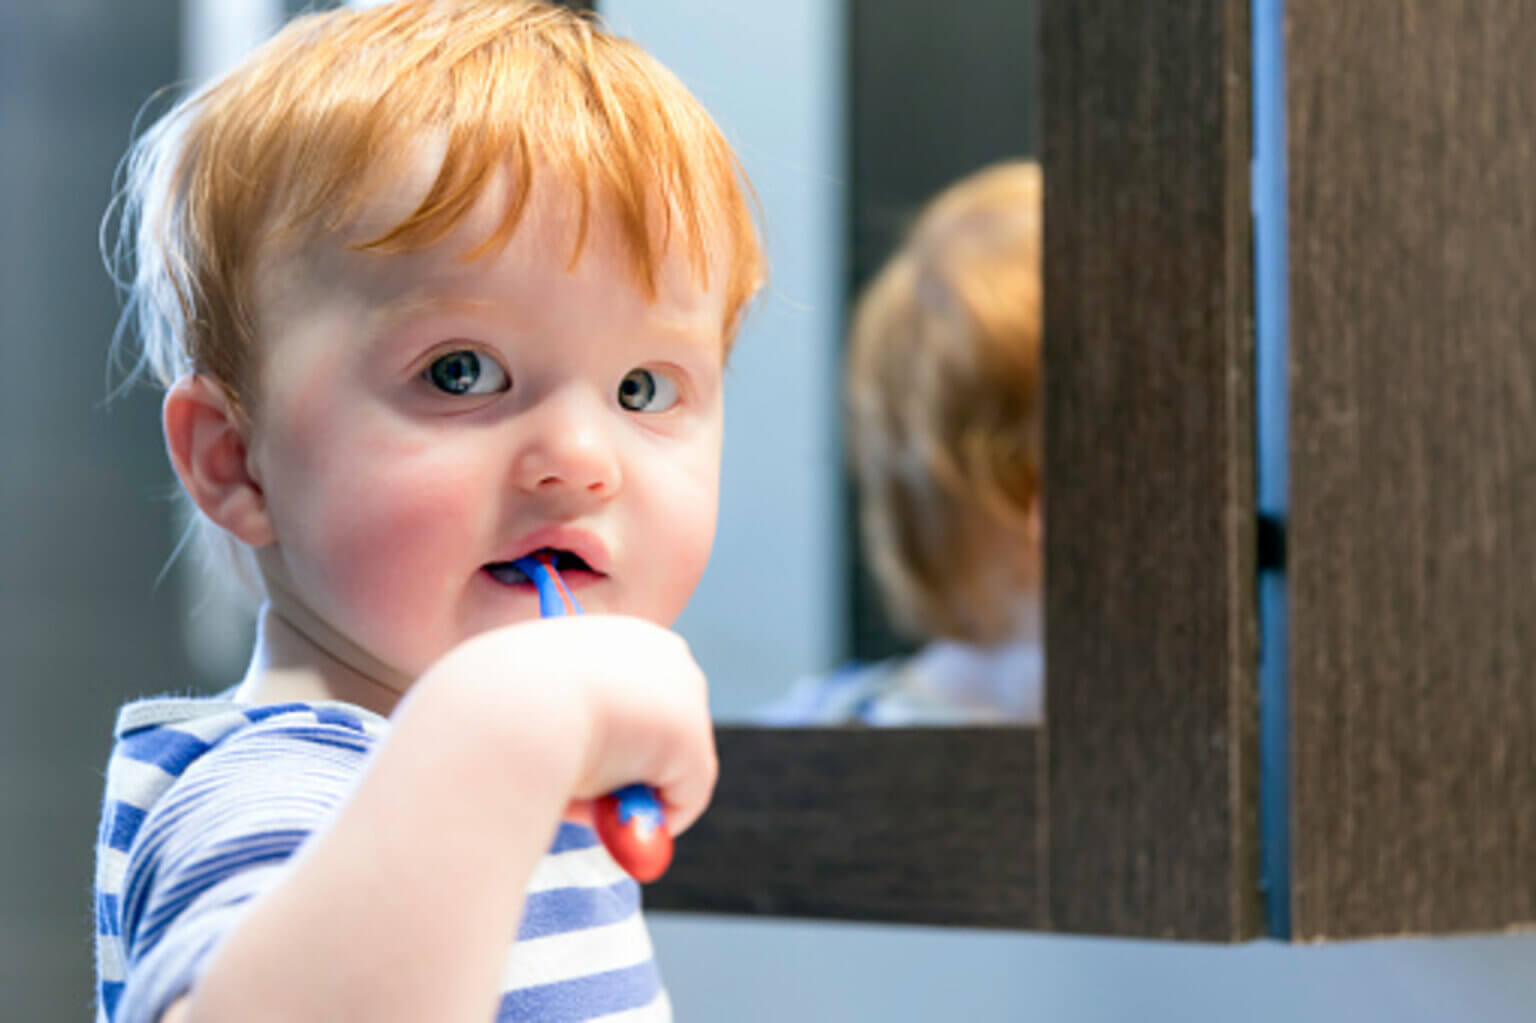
x,y
423,419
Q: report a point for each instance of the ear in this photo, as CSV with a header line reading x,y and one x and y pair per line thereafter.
x,y
208,449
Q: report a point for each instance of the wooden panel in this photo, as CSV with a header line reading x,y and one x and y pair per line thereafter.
x,y
1149,469
935,825
1143,819
1413,467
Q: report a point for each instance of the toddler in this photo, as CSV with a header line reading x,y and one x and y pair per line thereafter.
x,y
431,286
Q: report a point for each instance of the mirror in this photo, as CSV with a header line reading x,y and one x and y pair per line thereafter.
x,y
849,124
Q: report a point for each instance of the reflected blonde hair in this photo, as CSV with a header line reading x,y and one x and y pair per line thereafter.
x,y
943,410
328,115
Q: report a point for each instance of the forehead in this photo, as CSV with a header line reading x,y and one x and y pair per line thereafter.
x,y
557,232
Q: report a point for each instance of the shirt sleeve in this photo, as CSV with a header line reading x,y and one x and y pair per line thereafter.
x,y
222,834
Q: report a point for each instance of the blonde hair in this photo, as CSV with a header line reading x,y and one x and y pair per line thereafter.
x,y
325,117
943,409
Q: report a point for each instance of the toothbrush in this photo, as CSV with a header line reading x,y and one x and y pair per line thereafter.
x,y
628,820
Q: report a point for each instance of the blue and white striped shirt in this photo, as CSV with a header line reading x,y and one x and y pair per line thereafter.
x,y
206,800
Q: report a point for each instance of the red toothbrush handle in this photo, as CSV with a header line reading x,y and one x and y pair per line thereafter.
x,y
629,820
631,825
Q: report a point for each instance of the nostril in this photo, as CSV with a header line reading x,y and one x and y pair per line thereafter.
x,y
563,463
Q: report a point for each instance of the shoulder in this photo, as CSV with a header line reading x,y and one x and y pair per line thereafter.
x,y
210,719
158,740
205,799
201,748
836,697
941,684
948,683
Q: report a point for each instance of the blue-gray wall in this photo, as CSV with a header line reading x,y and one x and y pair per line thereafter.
x,y
83,523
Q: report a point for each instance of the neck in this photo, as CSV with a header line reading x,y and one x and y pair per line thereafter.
x,y
1025,624
299,656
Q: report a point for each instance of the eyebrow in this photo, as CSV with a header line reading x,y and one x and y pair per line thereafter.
x,y
437,298
387,318
414,304
674,333
680,330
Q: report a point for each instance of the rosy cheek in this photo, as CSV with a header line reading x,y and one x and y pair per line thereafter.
x,y
687,514
403,511
383,522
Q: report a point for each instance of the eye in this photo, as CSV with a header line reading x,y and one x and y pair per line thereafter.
x,y
643,390
467,373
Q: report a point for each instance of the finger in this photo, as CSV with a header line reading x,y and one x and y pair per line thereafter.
x,y
685,801
580,811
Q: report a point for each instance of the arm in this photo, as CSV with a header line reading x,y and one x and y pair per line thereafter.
x,y
404,907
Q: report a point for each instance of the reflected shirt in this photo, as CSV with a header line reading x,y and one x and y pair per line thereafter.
x,y
944,683
206,801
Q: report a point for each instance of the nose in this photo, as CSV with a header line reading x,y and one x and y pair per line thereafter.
x,y
566,446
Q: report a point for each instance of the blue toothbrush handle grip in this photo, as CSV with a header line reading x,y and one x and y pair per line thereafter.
x,y
629,820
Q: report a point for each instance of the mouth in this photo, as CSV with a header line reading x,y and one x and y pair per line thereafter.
x,y
565,562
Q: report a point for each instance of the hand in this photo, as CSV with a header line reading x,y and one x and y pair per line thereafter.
x,y
623,697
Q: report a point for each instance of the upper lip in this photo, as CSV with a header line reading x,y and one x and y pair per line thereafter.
x,y
584,544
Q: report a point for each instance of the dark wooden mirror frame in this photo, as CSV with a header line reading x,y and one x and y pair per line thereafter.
x,y
1410,740
1133,810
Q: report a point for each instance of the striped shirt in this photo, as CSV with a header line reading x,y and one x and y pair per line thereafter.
x,y
207,799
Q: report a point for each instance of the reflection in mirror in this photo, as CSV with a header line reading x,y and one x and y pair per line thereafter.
x,y
942,422
877,558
